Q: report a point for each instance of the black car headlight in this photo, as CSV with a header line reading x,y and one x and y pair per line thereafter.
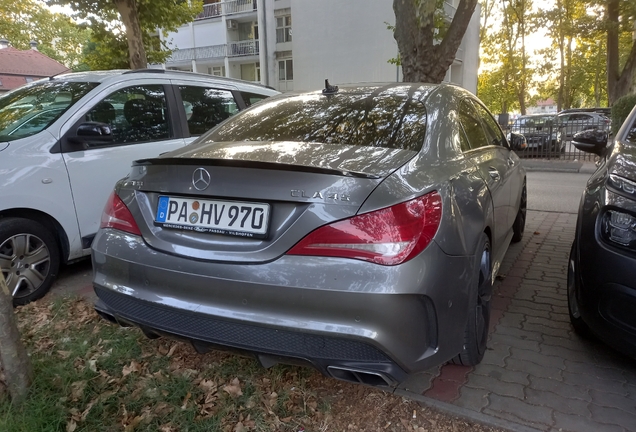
x,y
622,186
619,228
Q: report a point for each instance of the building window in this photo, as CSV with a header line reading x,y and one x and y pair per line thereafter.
x,y
286,70
283,29
251,72
216,71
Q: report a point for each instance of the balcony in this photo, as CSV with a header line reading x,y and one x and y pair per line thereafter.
x,y
200,53
231,7
238,6
242,48
209,11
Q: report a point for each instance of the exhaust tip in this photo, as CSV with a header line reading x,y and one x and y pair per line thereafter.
x,y
108,317
373,379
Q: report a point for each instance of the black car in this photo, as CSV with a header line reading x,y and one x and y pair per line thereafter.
x,y
539,131
602,264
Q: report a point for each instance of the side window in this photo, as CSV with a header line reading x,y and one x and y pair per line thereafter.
x,y
495,136
631,133
135,114
206,107
252,98
472,126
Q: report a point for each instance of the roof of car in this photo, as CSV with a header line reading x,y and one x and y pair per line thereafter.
x,y
101,76
536,115
598,110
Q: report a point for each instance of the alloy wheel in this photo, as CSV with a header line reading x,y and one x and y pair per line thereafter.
x,y
25,261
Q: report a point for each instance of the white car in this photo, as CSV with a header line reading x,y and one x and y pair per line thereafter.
x,y
570,123
66,140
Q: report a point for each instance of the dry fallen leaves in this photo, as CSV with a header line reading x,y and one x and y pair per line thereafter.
x,y
132,367
234,388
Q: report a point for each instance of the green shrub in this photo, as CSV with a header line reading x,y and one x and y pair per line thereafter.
x,y
621,109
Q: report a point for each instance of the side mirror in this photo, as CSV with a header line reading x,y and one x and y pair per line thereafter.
x,y
92,133
517,141
591,141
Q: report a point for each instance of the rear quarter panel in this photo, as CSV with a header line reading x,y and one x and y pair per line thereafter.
x,y
467,208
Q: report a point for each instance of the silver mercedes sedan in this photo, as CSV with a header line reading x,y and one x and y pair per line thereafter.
x,y
354,229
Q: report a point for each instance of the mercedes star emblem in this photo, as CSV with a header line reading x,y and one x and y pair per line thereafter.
x,y
200,179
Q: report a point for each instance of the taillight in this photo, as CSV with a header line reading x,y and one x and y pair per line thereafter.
x,y
389,236
116,215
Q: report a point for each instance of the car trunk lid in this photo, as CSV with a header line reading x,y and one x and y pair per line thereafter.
x,y
295,188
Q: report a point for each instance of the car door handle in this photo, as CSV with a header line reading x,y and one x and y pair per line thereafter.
x,y
494,174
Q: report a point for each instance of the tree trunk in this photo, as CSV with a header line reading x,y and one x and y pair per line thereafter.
x,y
597,76
561,57
423,60
568,76
136,52
13,356
618,82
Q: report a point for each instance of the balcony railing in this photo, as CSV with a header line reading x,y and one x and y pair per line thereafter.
x,y
238,6
200,53
213,10
210,11
242,48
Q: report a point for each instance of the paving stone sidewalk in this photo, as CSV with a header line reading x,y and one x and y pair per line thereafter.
x,y
537,373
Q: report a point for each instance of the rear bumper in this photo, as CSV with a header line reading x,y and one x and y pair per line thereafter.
x,y
347,318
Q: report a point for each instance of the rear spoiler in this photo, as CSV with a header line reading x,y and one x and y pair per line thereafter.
x,y
252,165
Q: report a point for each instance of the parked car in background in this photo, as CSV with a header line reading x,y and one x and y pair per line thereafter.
x,y
569,123
65,141
357,230
538,130
602,264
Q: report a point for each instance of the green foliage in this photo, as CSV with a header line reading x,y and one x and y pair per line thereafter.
x,y
57,35
621,109
572,70
108,46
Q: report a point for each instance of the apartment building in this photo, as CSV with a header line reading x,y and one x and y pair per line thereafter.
x,y
296,44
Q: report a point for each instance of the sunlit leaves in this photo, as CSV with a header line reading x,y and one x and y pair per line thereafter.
x,y
108,46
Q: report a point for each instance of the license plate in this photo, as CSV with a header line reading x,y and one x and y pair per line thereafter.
x,y
212,216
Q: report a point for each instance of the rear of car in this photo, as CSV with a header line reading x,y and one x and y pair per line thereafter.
x,y
537,129
352,230
602,271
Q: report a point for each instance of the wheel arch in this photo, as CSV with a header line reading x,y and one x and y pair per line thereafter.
x,y
48,221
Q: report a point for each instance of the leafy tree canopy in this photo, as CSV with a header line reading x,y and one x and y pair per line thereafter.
x,y
57,35
109,46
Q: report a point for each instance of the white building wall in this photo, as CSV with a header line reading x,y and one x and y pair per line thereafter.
x,y
181,39
209,32
344,41
470,54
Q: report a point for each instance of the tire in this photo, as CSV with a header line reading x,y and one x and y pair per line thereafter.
x,y
576,320
519,224
29,258
477,325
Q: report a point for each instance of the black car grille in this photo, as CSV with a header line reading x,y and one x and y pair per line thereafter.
x,y
203,328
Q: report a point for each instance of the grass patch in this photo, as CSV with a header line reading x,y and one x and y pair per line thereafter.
x,y
93,376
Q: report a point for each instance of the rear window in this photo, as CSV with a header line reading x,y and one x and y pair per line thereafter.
x,y
390,117
533,121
